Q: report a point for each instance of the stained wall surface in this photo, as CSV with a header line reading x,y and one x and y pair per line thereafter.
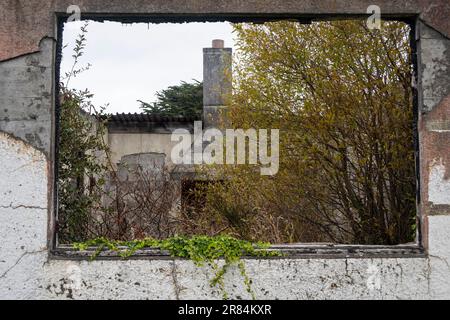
x,y
27,95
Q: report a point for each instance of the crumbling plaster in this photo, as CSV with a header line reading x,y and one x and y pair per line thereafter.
x,y
28,270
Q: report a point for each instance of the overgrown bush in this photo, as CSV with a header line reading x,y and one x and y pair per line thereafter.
x,y
341,96
80,151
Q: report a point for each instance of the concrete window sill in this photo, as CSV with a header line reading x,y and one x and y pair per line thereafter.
x,y
311,251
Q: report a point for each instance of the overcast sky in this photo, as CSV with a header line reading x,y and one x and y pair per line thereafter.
x,y
133,62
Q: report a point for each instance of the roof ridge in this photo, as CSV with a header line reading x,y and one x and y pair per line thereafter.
x,y
149,117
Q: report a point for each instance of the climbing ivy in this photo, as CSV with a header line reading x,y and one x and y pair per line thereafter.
x,y
200,249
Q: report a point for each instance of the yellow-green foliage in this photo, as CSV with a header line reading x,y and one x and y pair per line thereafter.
x,y
341,96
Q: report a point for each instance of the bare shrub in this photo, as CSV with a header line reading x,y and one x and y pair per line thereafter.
x,y
142,204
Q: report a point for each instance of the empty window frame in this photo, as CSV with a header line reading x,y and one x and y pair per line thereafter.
x,y
373,196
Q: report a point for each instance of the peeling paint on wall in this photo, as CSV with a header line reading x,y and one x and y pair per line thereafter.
x,y
28,271
439,184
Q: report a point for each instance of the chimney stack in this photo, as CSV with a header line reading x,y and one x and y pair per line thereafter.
x,y
217,82
218,44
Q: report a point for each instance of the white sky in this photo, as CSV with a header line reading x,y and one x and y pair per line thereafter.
x,y
133,62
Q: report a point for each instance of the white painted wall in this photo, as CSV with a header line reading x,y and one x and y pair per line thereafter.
x,y
439,185
26,272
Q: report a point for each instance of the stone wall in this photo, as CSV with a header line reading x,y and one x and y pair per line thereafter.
x,y
29,269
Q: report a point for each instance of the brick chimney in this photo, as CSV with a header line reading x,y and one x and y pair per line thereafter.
x,y
217,86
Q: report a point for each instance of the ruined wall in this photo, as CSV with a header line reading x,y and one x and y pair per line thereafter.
x,y
29,271
26,272
26,100
434,124
26,22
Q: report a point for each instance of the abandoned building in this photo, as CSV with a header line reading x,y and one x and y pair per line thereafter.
x,y
34,266
141,147
134,134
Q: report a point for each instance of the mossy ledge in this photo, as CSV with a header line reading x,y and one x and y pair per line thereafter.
x,y
200,249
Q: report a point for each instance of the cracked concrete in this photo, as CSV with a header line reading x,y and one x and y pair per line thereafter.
x,y
28,273
3,275
176,286
22,206
27,96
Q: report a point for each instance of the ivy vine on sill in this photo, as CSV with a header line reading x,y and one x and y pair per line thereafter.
x,y
200,249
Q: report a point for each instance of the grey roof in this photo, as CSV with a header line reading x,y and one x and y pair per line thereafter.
x,y
124,118
148,123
